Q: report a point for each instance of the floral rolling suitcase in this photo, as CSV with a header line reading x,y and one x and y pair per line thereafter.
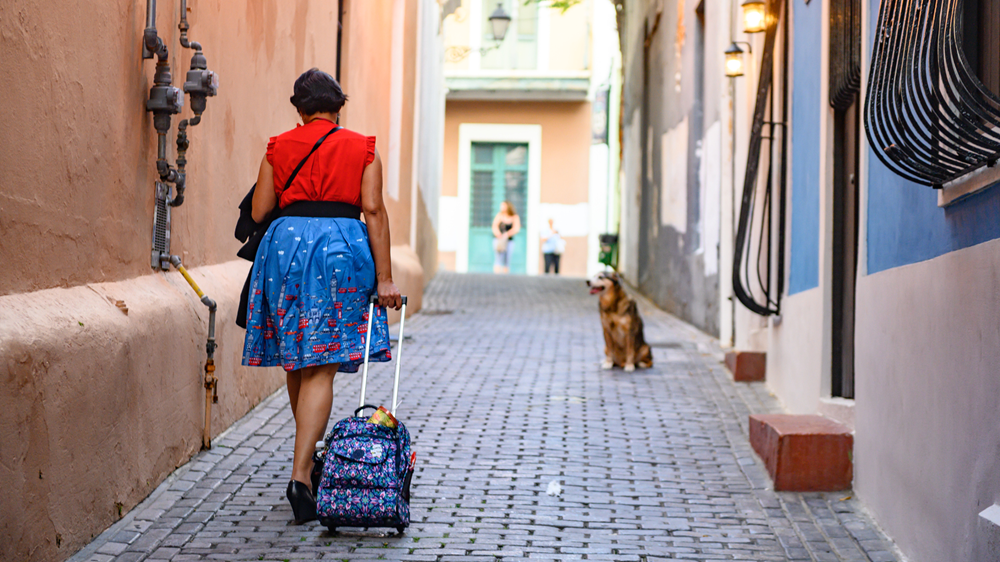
x,y
365,481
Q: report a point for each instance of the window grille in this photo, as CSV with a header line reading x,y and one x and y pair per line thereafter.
x,y
756,284
928,115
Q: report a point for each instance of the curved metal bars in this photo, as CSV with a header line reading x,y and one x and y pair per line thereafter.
x,y
744,232
927,115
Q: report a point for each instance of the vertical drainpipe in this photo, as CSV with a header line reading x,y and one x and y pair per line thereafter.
x,y
415,132
340,34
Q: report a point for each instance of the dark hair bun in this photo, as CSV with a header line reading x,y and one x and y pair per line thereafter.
x,y
317,92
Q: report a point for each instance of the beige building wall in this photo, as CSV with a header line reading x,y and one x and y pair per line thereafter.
x,y
99,405
565,173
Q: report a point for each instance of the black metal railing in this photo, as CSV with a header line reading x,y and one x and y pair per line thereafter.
x,y
752,262
927,115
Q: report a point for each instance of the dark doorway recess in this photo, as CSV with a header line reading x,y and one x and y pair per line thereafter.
x,y
845,80
845,248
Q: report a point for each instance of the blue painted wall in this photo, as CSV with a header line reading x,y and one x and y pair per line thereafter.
x,y
806,105
906,226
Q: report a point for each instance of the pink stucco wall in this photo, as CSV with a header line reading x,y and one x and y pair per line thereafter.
x,y
99,406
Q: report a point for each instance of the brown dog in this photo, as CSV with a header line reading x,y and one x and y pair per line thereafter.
x,y
624,344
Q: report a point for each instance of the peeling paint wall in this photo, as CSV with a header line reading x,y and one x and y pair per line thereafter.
x,y
675,106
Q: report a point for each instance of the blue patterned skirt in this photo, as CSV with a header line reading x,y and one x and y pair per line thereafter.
x,y
309,292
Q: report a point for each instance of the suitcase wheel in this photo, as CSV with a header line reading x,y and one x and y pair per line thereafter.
x,y
329,524
401,529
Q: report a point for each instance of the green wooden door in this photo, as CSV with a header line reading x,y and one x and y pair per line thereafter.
x,y
499,173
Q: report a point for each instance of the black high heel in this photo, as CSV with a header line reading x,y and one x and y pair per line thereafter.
x,y
302,500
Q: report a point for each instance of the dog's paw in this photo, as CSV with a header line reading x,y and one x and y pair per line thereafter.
x,y
607,365
629,367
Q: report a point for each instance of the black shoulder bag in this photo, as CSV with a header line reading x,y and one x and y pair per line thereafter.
x,y
252,232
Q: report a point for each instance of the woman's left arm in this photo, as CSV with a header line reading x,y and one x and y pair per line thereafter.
x,y
264,197
516,227
377,221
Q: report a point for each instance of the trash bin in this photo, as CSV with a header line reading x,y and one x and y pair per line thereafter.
x,y
609,250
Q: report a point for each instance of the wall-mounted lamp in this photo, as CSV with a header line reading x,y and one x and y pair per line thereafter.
x,y
499,22
734,60
754,16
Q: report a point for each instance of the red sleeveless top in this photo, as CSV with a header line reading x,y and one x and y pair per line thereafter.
x,y
332,173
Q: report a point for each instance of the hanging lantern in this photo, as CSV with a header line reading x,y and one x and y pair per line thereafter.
x,y
734,61
500,21
754,20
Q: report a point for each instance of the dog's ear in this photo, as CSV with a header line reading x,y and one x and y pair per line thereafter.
x,y
613,275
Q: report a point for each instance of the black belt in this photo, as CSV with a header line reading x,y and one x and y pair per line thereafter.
x,y
316,209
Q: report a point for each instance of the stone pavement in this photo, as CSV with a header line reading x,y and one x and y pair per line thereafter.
x,y
503,394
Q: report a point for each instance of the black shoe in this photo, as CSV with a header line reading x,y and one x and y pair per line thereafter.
x,y
302,500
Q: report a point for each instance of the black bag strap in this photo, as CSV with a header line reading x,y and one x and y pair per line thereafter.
x,y
295,172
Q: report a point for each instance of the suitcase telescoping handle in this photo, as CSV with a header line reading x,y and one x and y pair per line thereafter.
x,y
368,343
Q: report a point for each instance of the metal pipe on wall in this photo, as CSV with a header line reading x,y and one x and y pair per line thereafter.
x,y
211,381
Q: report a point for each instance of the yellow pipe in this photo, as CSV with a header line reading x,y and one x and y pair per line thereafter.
x,y
211,382
190,281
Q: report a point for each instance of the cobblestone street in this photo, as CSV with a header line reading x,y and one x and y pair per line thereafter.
x,y
503,394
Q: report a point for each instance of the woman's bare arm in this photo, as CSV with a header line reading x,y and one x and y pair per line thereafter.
x,y
516,227
496,226
264,197
377,221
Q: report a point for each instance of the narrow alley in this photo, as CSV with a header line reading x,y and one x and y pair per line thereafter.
x,y
503,394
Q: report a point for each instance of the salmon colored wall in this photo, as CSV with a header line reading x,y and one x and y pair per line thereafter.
x,y
79,148
565,143
447,260
100,406
366,75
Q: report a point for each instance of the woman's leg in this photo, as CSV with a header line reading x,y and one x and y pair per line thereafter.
x,y
293,379
315,397
497,261
506,256
555,262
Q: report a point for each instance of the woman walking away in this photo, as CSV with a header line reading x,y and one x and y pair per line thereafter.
x,y
317,265
505,225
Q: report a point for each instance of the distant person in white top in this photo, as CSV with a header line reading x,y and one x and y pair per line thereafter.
x,y
552,247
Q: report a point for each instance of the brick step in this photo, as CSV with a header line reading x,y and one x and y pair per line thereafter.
x,y
804,453
747,366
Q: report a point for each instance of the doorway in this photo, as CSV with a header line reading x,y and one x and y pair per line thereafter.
x,y
499,173
845,248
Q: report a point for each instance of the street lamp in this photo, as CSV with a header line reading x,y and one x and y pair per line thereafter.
x,y
499,22
734,61
754,20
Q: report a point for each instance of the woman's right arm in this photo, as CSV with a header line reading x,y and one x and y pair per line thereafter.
x,y
496,226
377,221
264,197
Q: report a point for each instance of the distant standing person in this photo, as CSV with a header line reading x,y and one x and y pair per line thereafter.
x,y
552,247
505,225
